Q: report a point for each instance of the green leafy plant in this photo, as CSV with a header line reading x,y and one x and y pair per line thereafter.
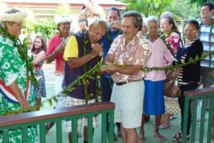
x,y
45,28
149,7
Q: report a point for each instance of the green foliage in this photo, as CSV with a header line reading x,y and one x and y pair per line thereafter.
x,y
199,2
44,27
83,79
185,10
149,7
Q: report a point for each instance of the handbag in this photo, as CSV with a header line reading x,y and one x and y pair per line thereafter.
x,y
171,86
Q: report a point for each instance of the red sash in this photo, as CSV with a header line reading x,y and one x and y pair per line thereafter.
x,y
8,94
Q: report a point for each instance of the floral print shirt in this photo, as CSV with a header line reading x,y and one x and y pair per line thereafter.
x,y
174,41
136,52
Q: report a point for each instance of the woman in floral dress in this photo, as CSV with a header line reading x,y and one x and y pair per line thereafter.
x,y
38,52
16,91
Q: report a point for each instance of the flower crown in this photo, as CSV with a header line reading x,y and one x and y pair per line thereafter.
x,y
17,16
64,19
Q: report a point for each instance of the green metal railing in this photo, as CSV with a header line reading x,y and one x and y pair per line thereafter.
x,y
192,98
40,118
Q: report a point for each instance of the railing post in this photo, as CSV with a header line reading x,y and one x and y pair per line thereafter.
x,y
185,120
194,96
193,103
90,128
59,131
209,130
111,126
74,129
103,127
5,136
202,116
42,132
24,134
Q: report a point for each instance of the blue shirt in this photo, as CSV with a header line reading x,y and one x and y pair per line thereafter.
x,y
107,41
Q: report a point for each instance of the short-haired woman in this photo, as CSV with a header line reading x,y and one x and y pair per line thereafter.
x,y
14,84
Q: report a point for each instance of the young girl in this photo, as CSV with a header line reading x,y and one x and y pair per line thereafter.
x,y
38,52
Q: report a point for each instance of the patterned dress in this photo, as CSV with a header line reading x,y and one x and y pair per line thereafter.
x,y
12,68
171,104
40,90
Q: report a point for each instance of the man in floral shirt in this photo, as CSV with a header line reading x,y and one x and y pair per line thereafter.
x,y
130,51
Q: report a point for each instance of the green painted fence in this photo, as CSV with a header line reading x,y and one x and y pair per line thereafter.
x,y
195,96
40,118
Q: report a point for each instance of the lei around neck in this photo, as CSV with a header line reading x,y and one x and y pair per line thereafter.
x,y
108,35
165,37
22,50
86,68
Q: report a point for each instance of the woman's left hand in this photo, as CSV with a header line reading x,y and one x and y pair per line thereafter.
x,y
24,103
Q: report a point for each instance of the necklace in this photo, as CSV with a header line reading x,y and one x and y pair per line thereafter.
x,y
165,37
22,50
86,68
64,39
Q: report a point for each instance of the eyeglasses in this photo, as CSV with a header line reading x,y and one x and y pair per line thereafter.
x,y
190,30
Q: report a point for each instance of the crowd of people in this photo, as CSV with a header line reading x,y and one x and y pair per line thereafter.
x,y
126,43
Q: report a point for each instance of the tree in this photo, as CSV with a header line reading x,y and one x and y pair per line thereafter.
x,y
149,7
186,10
45,27
183,11
199,2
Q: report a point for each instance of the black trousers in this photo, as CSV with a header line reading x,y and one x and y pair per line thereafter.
x,y
181,101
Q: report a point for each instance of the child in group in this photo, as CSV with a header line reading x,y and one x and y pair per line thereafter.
x,y
38,51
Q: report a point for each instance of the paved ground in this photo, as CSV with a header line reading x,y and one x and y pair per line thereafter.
x,y
149,127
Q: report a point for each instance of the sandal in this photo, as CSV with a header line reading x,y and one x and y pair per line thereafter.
x,y
164,126
177,138
172,117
